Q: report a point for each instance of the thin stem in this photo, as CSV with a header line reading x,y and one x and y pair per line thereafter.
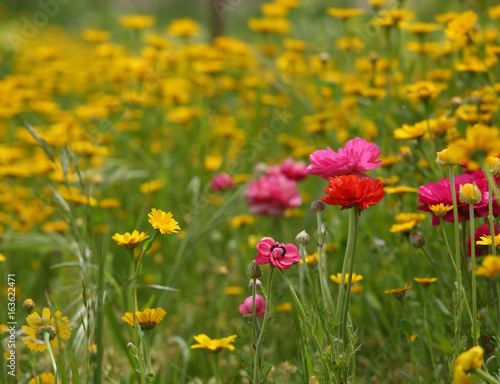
x,y
459,306
429,339
438,275
325,292
217,367
147,349
254,318
263,329
473,258
448,248
485,376
46,339
490,209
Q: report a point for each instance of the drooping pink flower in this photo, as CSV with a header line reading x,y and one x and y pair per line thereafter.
x,y
291,169
272,195
221,182
357,156
260,306
440,192
482,230
278,254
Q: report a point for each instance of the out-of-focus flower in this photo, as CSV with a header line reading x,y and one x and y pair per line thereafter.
x,y
356,157
214,345
130,240
489,267
151,187
399,292
291,169
222,182
338,278
345,13
260,306
148,319
350,43
164,222
95,36
424,90
57,327
284,307
425,281
470,193
460,25
280,26
473,358
43,378
183,28
272,195
241,220
278,254
137,22
233,290
351,190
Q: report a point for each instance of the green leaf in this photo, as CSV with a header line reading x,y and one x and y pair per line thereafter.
x,y
45,146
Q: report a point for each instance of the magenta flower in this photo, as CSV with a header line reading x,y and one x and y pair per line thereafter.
x,y
272,195
440,192
357,156
222,182
291,169
278,254
260,306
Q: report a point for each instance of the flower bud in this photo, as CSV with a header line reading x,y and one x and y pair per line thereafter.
x,y
493,164
470,193
257,282
302,238
442,159
29,305
417,240
318,205
254,270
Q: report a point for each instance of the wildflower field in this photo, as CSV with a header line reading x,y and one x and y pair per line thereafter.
x,y
230,191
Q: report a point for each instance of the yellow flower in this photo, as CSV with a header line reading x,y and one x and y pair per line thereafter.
x,y
491,264
130,240
147,319
284,307
56,327
43,378
425,281
470,193
2,257
109,203
338,278
163,222
274,10
239,221
345,13
311,260
412,131
183,28
494,12
460,25
400,189
440,210
480,141
233,291
270,25
214,345
95,36
212,163
473,358
349,43
136,21
424,90
407,226
421,28
411,338
407,217
399,292
151,186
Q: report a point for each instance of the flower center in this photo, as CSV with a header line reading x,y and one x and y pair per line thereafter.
x,y
47,328
278,250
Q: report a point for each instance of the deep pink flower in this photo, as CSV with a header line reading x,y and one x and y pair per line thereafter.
x,y
278,254
482,230
291,169
357,156
440,192
221,182
272,195
260,306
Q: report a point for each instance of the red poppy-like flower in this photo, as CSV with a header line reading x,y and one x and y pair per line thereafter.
x,y
351,190
278,254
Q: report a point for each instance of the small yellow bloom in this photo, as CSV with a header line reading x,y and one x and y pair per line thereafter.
x,y
183,28
486,240
130,240
338,278
460,25
56,326
95,36
233,290
43,378
403,227
442,159
214,345
151,186
440,210
2,257
490,266
345,13
163,222
470,193
284,307
109,203
136,22
241,220
473,358
425,281
399,292
212,163
147,319
411,338
311,260
400,189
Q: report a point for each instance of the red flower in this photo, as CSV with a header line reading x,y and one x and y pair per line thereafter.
x,y
351,190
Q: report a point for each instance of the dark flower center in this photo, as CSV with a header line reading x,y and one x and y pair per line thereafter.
x,y
47,328
280,247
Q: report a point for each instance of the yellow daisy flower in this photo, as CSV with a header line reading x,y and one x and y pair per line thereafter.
x,y
284,307
151,186
43,378
403,227
425,281
473,358
489,267
163,222
440,210
130,240
233,290
399,292
338,278
214,345
239,221
147,319
460,25
57,327
136,21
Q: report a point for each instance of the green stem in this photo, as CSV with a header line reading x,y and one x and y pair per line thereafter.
x,y
263,329
254,318
217,367
490,209
147,349
485,376
325,292
459,306
46,339
473,258
448,248
345,289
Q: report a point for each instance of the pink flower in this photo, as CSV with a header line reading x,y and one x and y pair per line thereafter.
x,y
357,156
440,192
272,195
291,169
260,306
222,182
278,254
